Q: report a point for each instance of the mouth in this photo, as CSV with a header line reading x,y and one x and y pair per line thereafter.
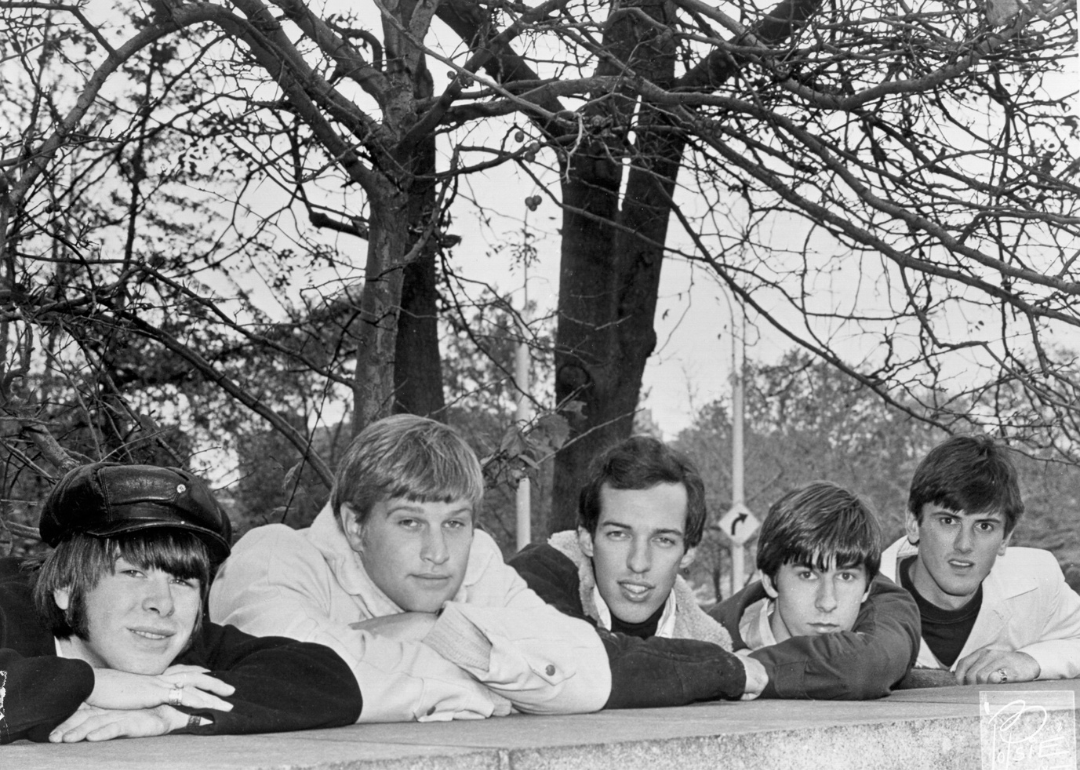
x,y
635,591
825,628
151,634
432,578
961,564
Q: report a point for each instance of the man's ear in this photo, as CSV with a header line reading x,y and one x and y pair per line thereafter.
x,y
767,584
353,529
584,540
911,528
1005,544
62,597
688,558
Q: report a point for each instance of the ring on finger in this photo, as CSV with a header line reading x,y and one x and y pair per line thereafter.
x,y
1003,675
176,695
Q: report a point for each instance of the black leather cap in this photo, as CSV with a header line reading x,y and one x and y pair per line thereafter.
x,y
106,499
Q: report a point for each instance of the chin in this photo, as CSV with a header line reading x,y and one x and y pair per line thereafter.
x,y
426,604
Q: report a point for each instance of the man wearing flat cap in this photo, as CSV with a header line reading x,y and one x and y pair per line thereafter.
x,y
107,637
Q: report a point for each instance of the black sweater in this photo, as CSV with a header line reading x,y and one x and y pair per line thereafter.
x,y
281,684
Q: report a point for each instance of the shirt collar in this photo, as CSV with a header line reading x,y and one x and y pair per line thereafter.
x,y
755,627
665,628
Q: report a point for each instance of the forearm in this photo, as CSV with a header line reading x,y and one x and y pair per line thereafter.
x,y
539,659
278,683
658,672
39,693
1057,658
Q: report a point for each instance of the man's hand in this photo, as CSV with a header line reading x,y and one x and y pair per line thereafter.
x,y
404,627
756,678
996,667
95,724
121,690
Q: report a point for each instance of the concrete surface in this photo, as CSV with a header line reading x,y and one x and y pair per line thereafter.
x,y
912,729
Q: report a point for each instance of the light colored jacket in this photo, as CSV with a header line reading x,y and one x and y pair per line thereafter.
x,y
687,621
496,645
1026,607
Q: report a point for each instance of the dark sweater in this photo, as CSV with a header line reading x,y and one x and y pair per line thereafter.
x,y
853,665
645,672
281,684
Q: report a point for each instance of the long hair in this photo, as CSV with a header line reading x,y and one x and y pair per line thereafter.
x,y
78,564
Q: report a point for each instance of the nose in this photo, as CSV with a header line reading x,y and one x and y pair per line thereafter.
x,y
963,542
159,595
639,559
434,549
825,600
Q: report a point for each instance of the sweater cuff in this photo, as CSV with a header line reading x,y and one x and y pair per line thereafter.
x,y
460,641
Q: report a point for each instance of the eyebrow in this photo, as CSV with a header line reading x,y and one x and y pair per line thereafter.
x,y
417,508
811,566
620,525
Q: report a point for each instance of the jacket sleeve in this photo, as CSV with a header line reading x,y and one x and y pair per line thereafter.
x,y
1058,650
281,684
859,664
277,584
38,690
37,694
541,660
645,673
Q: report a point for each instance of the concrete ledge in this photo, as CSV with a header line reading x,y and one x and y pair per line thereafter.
x,y
929,728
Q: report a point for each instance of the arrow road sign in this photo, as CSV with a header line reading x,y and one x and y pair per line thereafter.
x,y
739,524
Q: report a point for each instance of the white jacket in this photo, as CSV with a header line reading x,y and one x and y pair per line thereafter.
x,y
496,645
1026,607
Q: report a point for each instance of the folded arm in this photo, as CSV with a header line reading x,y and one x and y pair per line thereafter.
x,y
859,664
1057,653
277,584
38,693
645,673
279,684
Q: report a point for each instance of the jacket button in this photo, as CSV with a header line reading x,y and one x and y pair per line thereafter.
x,y
550,670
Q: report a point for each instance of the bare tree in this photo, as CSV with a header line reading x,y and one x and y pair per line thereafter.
x,y
923,147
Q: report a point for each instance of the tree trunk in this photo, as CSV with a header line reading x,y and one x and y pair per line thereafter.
x,y
380,302
418,387
610,275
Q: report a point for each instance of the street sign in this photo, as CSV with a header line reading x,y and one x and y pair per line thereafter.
x,y
739,524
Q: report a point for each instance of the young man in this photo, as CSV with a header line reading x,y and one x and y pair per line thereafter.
x,y
107,639
394,575
990,613
640,517
820,620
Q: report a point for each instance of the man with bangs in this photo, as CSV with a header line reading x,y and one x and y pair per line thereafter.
x,y
821,620
991,613
394,575
105,638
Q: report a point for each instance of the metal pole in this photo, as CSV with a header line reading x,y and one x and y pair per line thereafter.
x,y
522,360
738,495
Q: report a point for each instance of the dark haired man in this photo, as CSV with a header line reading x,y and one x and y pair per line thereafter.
x,y
640,517
990,613
820,620
107,638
